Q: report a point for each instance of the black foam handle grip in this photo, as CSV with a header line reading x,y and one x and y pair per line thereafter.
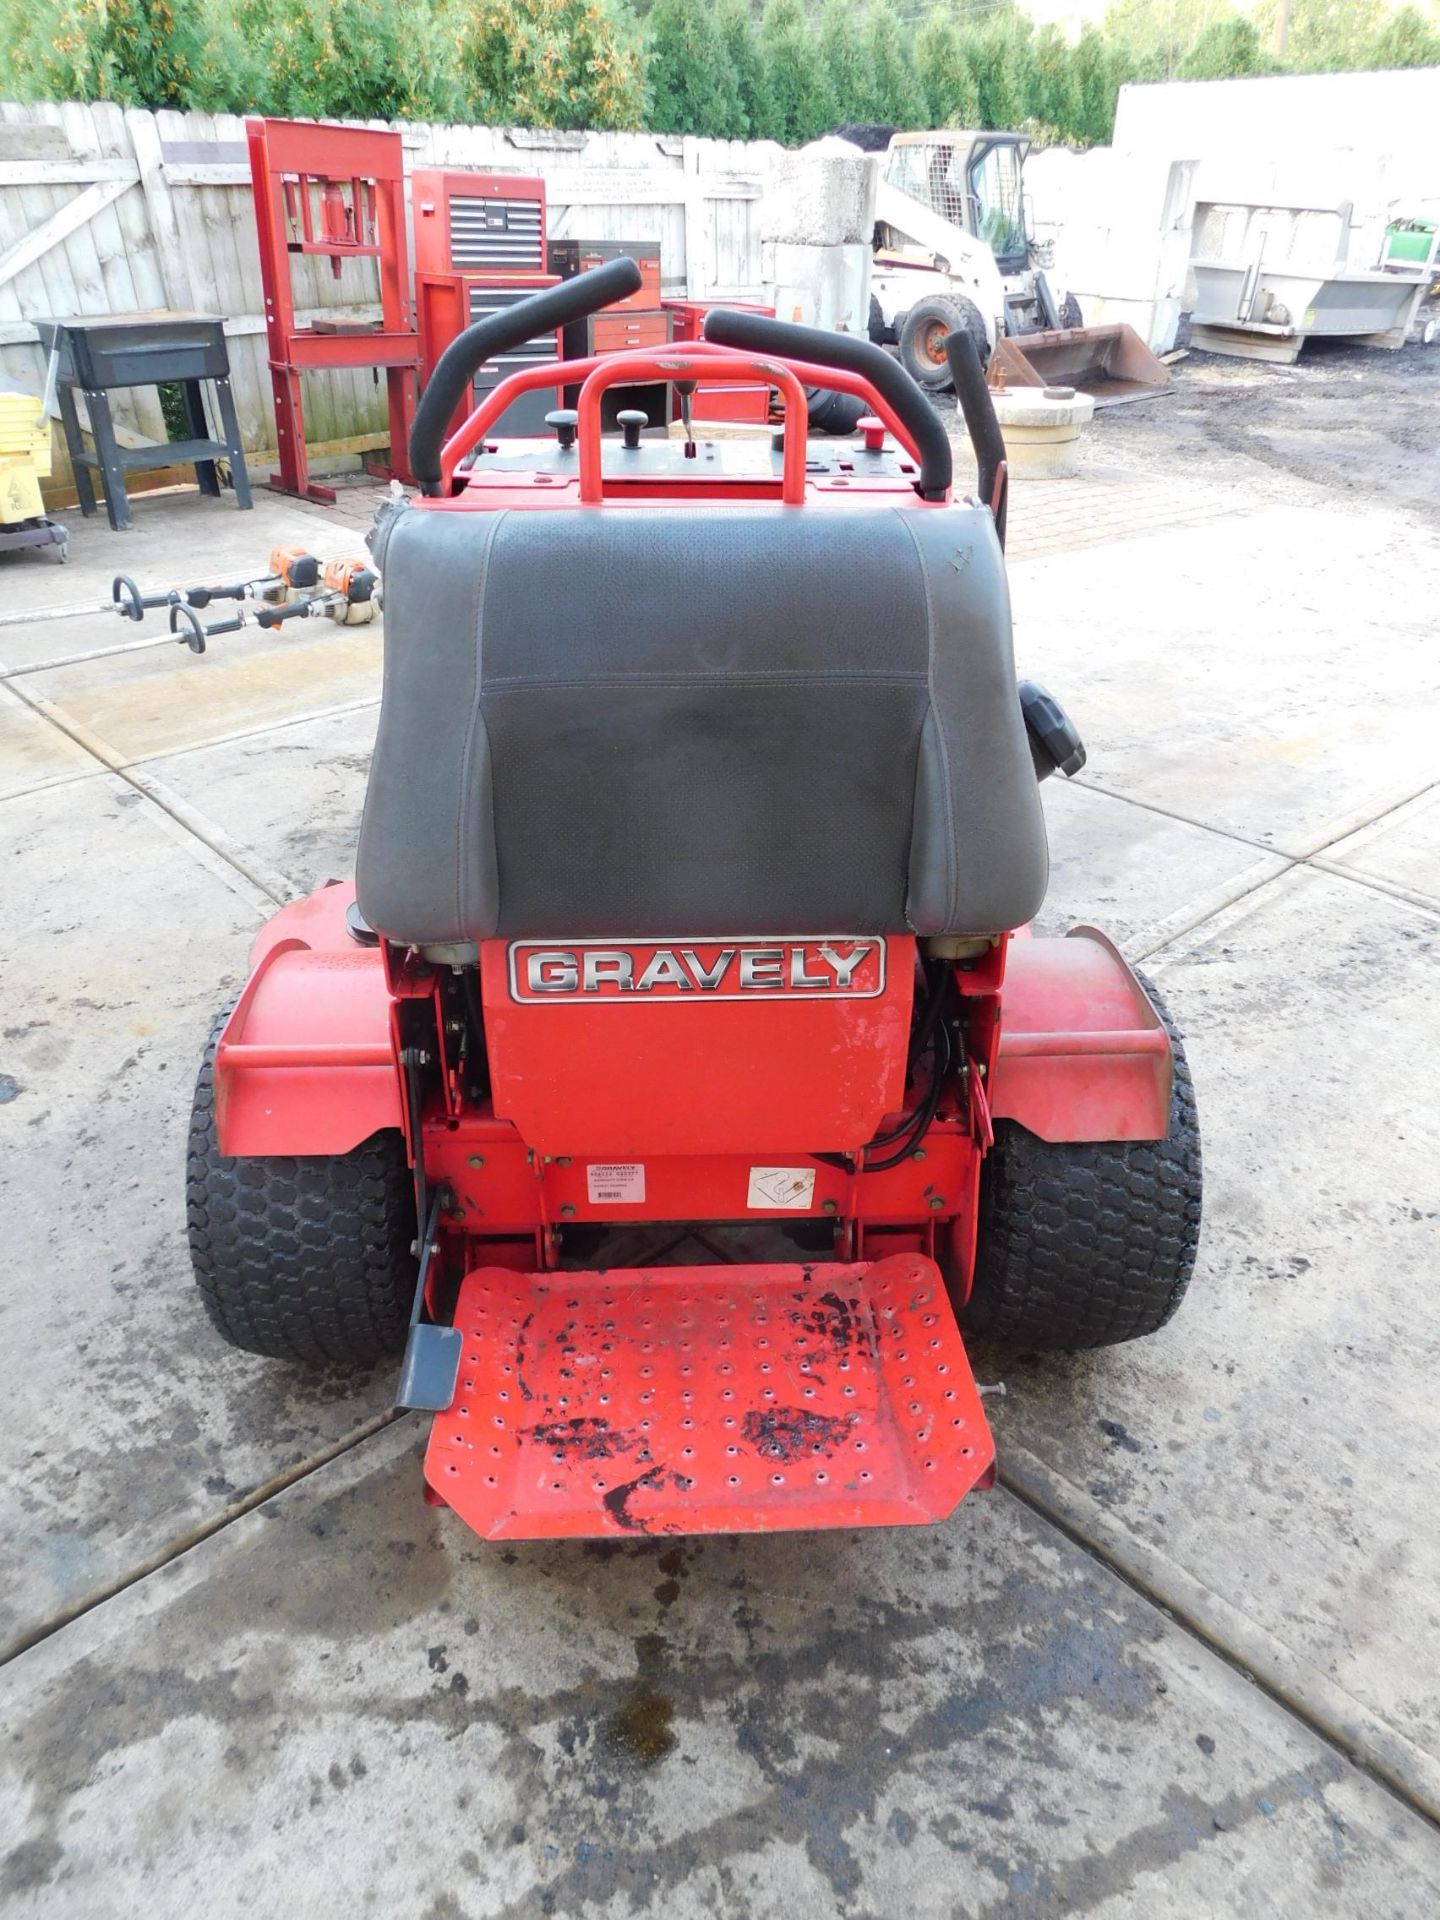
x,y
755,333
543,312
277,616
977,409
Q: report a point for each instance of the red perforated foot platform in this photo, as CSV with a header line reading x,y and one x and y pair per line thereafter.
x,y
708,1400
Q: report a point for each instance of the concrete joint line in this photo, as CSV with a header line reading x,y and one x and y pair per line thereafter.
x,y
1186,919
1427,902
255,732
185,1543
1286,1677
48,781
274,885
1185,819
1362,820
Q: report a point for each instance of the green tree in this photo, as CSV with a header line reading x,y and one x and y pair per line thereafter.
x,y
547,63
1407,39
692,85
754,115
893,92
800,105
1224,49
952,94
1155,35
350,59
1055,102
1002,57
1097,84
842,60
1323,35
138,53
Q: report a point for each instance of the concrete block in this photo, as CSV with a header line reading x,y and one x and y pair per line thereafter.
x,y
818,286
822,195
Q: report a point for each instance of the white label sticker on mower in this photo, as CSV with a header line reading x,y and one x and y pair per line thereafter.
x,y
772,1187
618,1185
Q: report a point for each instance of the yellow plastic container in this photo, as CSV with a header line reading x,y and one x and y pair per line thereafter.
x,y
24,457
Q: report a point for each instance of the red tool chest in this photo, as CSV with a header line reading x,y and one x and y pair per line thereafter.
x,y
480,246
639,320
486,223
743,403
569,257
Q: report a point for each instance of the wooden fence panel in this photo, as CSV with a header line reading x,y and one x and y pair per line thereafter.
x,y
170,223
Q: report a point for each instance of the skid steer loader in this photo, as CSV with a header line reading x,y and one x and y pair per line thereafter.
x,y
953,250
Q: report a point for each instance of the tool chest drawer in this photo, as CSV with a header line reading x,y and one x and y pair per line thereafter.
x,y
627,332
569,257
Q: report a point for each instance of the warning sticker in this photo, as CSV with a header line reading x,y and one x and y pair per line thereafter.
x,y
622,1184
772,1187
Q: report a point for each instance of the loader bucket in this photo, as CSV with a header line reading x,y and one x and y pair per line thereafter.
x,y
1110,363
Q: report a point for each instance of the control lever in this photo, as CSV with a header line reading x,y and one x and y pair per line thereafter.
x,y
631,420
686,391
873,429
1055,743
564,421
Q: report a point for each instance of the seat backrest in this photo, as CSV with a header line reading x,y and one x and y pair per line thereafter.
x,y
697,720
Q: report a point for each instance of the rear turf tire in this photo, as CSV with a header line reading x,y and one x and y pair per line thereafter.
x,y
1092,1243
923,335
300,1259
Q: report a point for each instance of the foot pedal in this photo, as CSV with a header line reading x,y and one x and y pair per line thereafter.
x,y
708,1400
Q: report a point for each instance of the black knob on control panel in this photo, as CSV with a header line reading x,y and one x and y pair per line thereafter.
x,y
564,420
631,420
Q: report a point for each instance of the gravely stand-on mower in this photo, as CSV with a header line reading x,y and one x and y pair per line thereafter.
x,y
701,838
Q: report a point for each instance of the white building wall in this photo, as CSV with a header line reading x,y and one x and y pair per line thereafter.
x,y
1315,140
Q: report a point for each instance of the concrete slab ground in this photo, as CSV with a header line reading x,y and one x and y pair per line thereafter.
x,y
1180,1664
122,935
343,1703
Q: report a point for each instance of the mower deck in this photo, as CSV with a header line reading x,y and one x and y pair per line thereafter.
x,y
731,1399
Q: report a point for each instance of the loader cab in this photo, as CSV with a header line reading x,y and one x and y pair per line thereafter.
x,y
973,180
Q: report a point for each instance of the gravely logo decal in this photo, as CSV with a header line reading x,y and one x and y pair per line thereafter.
x,y
589,971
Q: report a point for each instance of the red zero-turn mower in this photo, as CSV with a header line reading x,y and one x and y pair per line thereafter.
x,y
702,835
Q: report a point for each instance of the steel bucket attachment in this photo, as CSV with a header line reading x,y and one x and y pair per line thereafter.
x,y
733,1399
1110,363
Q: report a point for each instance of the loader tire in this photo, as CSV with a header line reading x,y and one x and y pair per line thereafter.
x,y
923,336
1070,314
301,1259
1087,1244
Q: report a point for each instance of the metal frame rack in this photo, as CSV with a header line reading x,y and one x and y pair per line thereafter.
x,y
338,192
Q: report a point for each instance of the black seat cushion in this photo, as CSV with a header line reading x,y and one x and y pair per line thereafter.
x,y
697,720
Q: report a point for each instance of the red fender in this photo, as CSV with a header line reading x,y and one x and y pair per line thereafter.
x,y
306,1064
1083,1055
